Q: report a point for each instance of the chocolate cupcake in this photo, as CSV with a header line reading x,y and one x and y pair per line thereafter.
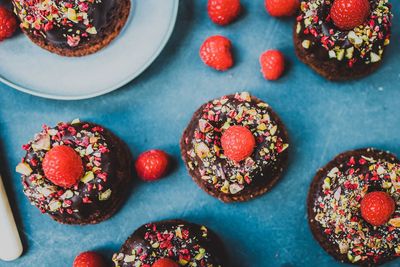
x,y
176,242
235,147
353,207
77,172
72,28
342,46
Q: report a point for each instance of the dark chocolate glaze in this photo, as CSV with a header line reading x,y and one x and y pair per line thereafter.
x,y
183,242
325,38
331,69
267,168
87,201
346,163
98,14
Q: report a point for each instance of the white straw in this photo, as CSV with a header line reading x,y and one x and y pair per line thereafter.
x,y
10,242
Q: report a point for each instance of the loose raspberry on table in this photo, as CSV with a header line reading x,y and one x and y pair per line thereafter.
x,y
152,165
272,64
281,8
216,53
8,23
223,12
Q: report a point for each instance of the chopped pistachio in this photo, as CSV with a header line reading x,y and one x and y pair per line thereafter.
x,y
87,177
23,168
306,44
105,195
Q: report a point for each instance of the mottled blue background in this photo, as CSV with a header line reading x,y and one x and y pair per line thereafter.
x,y
323,119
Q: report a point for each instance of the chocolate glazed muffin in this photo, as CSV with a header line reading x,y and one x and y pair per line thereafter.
x,y
339,54
103,177
176,241
72,27
219,173
335,207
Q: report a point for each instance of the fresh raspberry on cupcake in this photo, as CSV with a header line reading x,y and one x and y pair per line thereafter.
x,y
238,143
63,166
377,207
89,259
348,14
165,262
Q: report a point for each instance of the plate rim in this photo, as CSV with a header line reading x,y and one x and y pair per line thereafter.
x,y
119,85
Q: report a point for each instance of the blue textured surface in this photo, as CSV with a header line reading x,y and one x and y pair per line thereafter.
x,y
323,119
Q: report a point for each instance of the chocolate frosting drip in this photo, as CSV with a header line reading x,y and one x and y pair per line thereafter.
x,y
186,243
359,46
92,195
65,23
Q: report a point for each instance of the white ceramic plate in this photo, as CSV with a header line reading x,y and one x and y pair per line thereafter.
x,y
29,68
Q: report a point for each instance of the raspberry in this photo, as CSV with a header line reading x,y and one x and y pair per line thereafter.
x,y
152,165
238,143
165,263
223,12
272,64
280,8
377,208
348,14
8,23
63,166
216,53
89,259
